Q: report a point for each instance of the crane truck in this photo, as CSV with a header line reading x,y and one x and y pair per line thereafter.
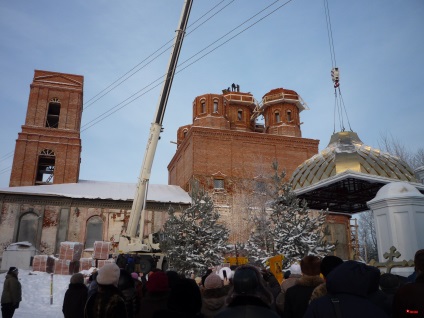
x,y
133,241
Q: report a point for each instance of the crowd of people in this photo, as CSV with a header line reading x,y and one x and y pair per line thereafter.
x,y
328,287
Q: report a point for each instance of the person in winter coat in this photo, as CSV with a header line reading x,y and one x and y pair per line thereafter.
x,y
328,263
107,301
347,291
156,297
92,287
295,274
126,286
297,296
75,297
12,293
409,299
213,296
184,301
249,297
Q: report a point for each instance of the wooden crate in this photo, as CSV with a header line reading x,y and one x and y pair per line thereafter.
x,y
102,250
87,263
43,263
66,267
102,262
70,251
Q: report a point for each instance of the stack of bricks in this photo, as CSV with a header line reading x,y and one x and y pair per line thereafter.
x,y
43,263
69,258
101,253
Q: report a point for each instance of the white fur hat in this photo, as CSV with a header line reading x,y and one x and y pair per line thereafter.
x,y
227,271
295,269
109,274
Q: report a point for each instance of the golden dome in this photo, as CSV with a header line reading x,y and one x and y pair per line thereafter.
x,y
347,152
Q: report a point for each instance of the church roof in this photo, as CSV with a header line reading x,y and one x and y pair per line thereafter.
x,y
347,152
347,174
86,189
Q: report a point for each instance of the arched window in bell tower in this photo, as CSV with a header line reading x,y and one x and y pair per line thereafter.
x,y
215,106
239,114
202,106
289,115
277,117
45,167
53,113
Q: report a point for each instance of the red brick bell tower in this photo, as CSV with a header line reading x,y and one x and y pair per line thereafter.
x,y
48,148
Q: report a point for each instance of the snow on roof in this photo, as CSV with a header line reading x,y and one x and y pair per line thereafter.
x,y
86,189
397,190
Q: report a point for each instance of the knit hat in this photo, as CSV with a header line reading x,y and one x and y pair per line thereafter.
x,y
134,275
295,269
108,275
77,278
213,281
13,270
158,282
329,263
310,265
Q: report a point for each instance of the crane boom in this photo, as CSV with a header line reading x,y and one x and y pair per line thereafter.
x,y
137,216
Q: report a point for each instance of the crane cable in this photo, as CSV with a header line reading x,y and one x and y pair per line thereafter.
x,y
339,106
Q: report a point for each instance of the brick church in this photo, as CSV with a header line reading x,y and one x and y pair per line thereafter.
x,y
225,148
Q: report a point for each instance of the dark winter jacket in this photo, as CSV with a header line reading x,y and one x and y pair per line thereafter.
x,y
12,290
297,297
107,302
348,285
286,284
410,297
247,307
213,301
74,301
153,302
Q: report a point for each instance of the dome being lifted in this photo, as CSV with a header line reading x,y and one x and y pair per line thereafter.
x,y
347,152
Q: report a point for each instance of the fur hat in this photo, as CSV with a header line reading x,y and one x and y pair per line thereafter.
x,y
227,271
329,263
77,278
419,261
213,281
109,275
13,270
158,282
310,265
295,269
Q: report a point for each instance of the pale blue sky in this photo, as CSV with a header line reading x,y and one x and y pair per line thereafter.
x,y
379,47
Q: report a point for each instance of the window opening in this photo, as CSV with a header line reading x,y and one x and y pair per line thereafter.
x,y
240,115
28,225
94,231
218,183
289,115
277,117
260,186
45,167
203,106
53,114
215,106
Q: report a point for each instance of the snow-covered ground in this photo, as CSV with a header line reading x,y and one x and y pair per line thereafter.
x,y
36,288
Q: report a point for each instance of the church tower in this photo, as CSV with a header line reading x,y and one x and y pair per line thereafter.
x,y
48,148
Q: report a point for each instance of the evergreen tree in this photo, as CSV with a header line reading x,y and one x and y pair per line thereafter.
x,y
296,231
260,245
194,241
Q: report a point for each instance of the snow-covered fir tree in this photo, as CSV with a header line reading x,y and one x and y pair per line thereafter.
x,y
296,230
260,245
194,240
